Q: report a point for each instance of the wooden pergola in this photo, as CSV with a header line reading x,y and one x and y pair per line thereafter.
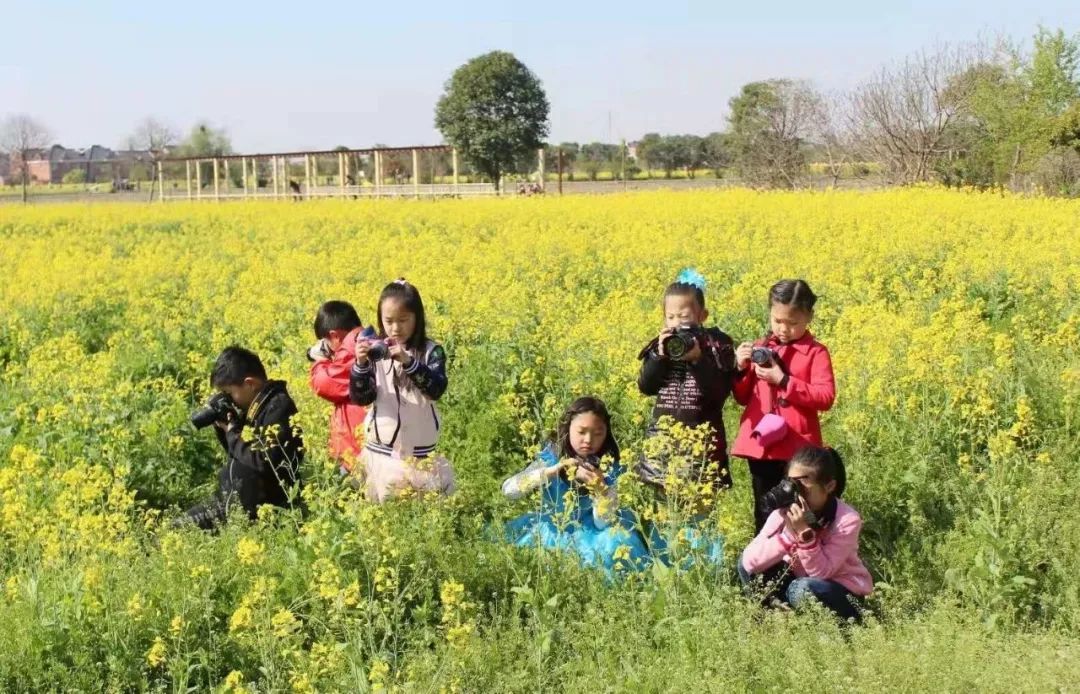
x,y
282,185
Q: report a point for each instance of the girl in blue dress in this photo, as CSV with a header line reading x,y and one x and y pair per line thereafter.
x,y
577,476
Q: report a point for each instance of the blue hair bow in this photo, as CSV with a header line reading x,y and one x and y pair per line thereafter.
x,y
692,277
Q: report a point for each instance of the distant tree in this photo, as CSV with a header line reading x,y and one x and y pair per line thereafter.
x,y
152,135
769,122
206,141
830,132
597,157
570,152
717,152
906,115
493,110
20,135
650,151
74,177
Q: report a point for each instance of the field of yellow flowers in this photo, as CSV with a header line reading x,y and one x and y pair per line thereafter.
x,y
954,323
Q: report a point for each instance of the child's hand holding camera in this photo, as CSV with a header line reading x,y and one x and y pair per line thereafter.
x,y
797,518
588,476
772,373
742,355
398,353
361,351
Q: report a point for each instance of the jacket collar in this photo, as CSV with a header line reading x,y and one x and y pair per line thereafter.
x,y
348,344
269,390
802,345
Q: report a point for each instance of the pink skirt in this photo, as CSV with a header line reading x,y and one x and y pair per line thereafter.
x,y
387,477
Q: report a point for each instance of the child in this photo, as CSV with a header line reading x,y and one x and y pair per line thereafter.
x,y
790,382
810,549
337,326
578,474
690,388
263,461
402,426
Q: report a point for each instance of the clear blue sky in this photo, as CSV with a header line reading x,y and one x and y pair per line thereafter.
x,y
318,74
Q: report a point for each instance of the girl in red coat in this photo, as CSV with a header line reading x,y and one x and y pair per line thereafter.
x,y
787,379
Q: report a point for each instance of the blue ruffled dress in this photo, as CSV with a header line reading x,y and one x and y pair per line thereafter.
x,y
565,521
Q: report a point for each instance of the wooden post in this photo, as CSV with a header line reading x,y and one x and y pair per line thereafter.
x,y
453,159
416,173
243,175
274,174
198,179
540,156
161,181
228,179
307,175
217,183
341,172
560,170
622,162
187,168
378,173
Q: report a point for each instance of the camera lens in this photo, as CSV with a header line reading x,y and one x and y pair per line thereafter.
x,y
674,347
782,495
203,418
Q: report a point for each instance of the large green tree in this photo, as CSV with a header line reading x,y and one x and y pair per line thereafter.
x,y
493,110
1016,109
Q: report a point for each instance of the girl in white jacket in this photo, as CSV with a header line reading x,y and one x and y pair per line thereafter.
x,y
399,375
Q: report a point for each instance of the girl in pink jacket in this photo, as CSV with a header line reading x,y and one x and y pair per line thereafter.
x,y
809,547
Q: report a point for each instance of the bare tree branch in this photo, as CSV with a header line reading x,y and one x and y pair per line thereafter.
x,y
20,135
901,117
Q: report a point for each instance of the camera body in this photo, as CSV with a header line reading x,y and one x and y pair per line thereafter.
x,y
763,356
589,462
217,409
378,349
320,350
681,341
782,495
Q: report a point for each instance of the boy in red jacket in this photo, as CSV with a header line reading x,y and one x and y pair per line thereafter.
x,y
337,326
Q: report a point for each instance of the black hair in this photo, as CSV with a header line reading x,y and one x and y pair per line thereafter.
x,y
795,293
686,289
409,296
233,365
583,405
336,315
826,463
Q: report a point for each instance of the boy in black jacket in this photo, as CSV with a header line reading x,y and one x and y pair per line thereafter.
x,y
262,467
692,386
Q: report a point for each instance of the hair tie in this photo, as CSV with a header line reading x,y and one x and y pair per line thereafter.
x,y
692,277
401,281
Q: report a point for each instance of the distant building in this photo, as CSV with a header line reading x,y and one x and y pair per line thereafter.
x,y
631,149
100,164
5,169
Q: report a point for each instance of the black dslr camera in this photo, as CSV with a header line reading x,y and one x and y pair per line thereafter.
x,y
763,356
681,341
217,409
782,495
